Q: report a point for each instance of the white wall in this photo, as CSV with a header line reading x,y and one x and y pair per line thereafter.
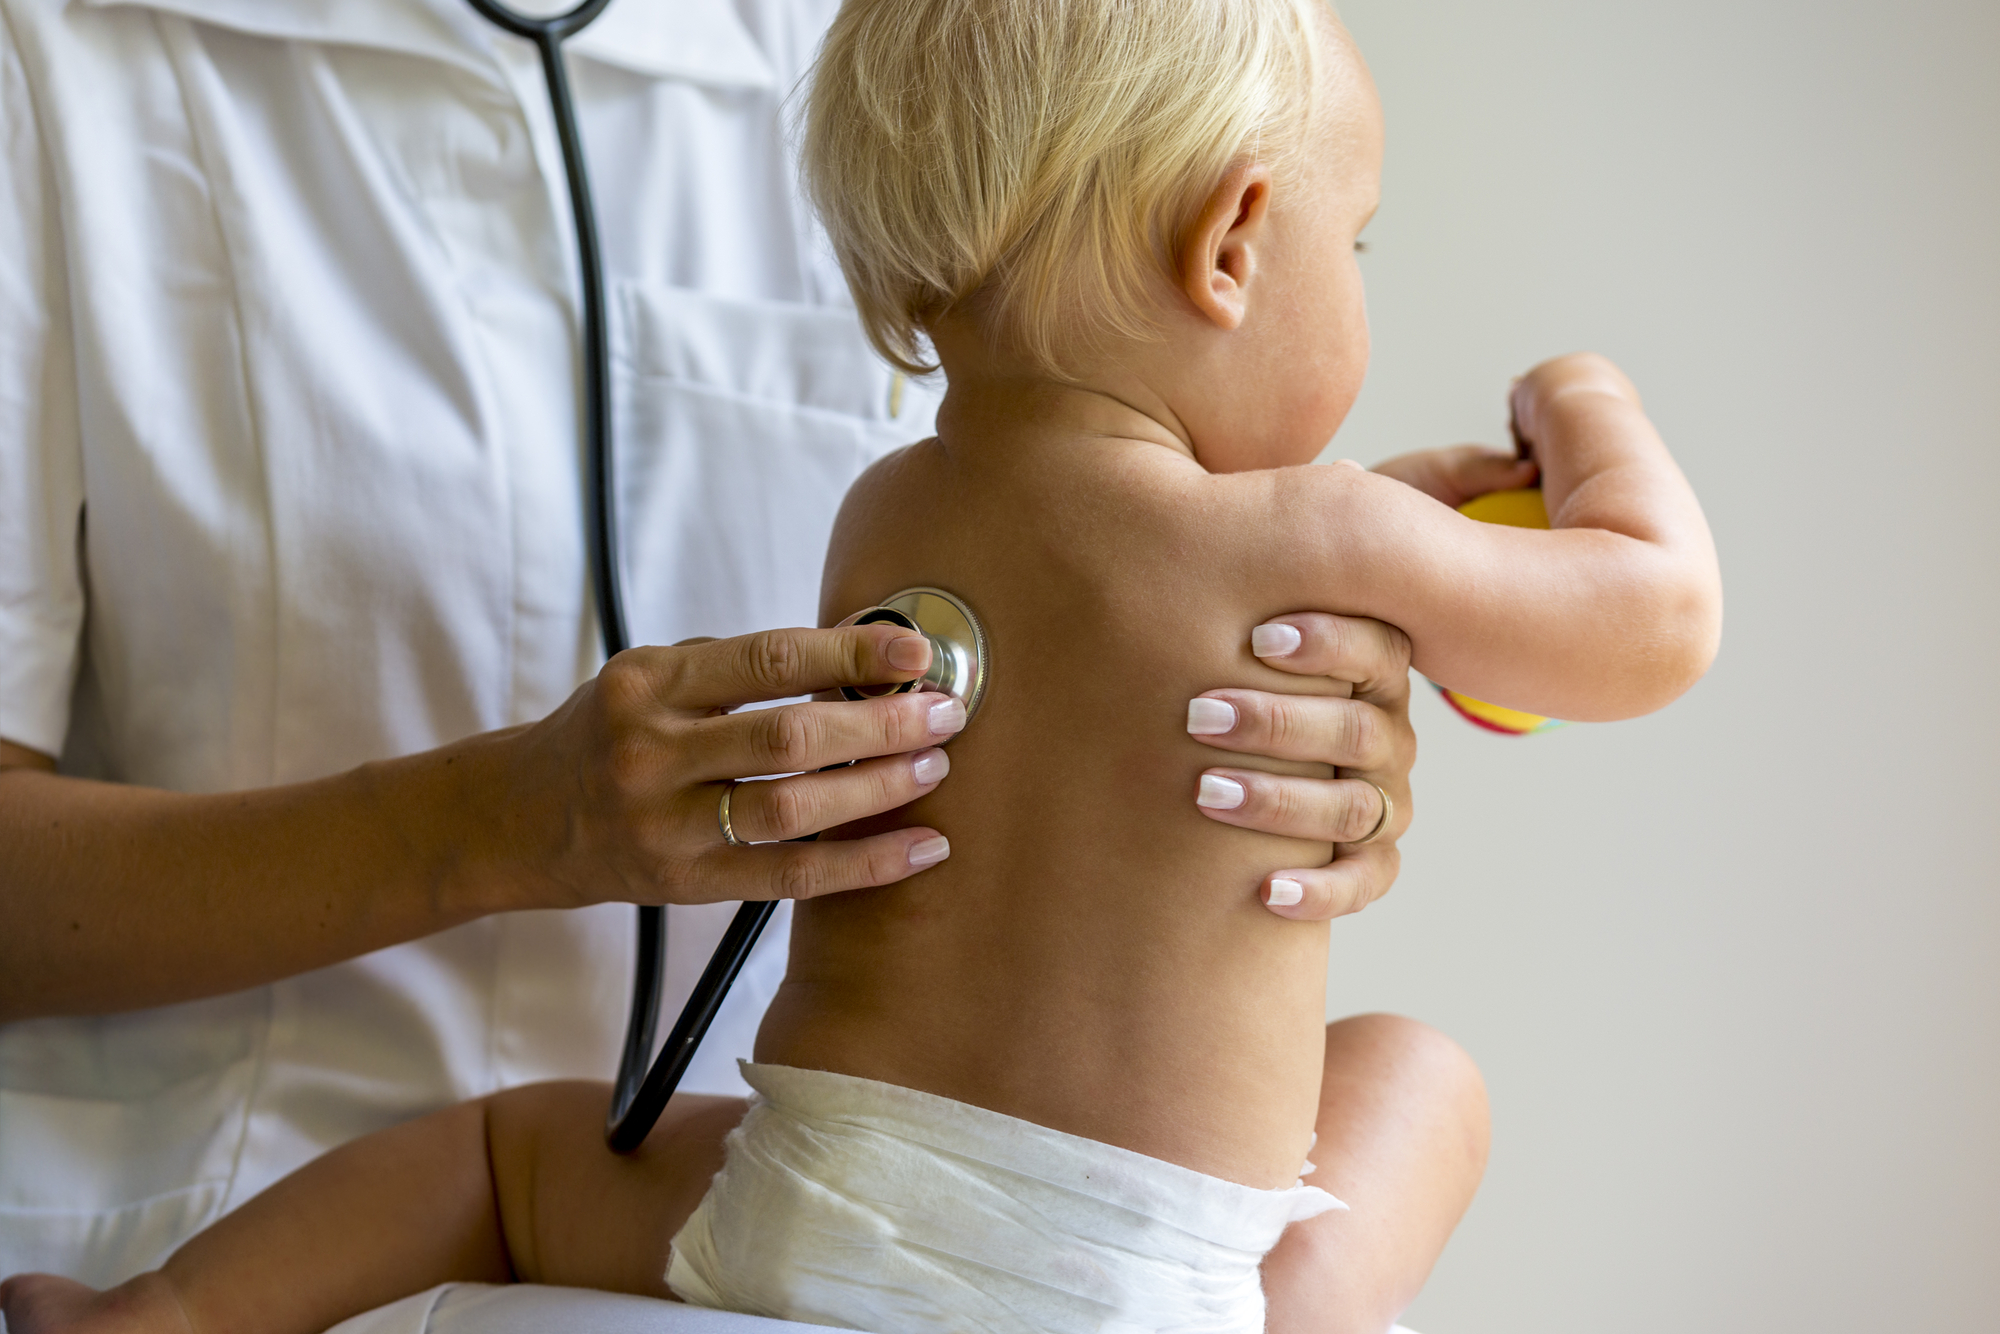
x,y
1733,971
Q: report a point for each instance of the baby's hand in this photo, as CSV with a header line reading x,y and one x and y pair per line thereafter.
x,y
1460,473
1536,393
1466,472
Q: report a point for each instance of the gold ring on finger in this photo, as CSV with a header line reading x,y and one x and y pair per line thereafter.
x,y
1388,814
722,817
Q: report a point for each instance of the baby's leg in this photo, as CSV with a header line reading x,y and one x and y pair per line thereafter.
x,y
578,1215
1402,1139
389,1214
516,1186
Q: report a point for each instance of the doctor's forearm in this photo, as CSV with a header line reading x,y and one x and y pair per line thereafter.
x,y
114,897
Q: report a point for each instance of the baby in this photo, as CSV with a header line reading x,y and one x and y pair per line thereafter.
x,y
1068,1079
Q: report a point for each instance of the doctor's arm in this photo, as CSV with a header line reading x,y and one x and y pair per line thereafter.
x,y
115,897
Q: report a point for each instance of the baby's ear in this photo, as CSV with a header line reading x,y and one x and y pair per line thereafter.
x,y
1219,258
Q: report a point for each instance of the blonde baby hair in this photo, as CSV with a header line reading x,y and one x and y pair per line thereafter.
x,y
1038,160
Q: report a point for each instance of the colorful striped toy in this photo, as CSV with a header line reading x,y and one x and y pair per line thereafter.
x,y
1516,509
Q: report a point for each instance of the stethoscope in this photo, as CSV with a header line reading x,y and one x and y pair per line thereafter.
x,y
958,642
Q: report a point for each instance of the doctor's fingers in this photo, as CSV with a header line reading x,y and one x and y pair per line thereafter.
x,y
803,804
774,664
800,738
1354,880
1371,656
1325,810
808,870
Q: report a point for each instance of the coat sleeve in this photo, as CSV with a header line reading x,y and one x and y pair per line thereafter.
x,y
41,468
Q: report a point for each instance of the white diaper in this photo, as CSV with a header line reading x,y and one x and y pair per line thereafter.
x,y
848,1202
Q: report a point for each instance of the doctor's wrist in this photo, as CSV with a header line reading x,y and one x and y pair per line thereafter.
x,y
458,839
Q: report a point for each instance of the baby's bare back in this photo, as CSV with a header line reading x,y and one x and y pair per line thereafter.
x,y
1093,956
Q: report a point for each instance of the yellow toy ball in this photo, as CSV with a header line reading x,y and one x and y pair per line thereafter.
x,y
1515,509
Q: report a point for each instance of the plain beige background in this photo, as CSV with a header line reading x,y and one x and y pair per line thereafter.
x,y
1733,971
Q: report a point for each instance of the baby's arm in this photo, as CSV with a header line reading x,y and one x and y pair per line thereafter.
x,y
515,1186
1613,614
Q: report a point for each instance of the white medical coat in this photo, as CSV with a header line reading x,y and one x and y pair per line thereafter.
x,y
289,480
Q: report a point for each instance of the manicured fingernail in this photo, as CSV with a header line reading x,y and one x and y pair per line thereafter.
x,y
1210,717
947,717
930,765
1284,893
929,852
909,653
1219,793
1275,640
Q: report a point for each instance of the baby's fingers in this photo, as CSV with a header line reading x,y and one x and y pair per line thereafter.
x,y
1460,473
1475,471
1353,881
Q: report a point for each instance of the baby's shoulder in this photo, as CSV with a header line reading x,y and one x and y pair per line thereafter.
x,y
880,482
886,520
1252,510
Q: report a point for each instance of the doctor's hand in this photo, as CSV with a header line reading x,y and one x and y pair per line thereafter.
x,y
1366,736
617,795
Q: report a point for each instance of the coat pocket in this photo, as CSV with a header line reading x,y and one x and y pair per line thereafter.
x,y
119,1136
742,425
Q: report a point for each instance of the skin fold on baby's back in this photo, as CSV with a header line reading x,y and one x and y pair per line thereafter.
x,y
1093,956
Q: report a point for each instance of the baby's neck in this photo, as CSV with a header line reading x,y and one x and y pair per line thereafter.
x,y
995,404
1162,393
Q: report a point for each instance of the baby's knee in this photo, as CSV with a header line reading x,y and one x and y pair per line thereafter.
x,y
1419,1059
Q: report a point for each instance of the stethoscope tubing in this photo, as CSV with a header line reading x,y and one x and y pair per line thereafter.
x,y
638,1095
634,1113
600,492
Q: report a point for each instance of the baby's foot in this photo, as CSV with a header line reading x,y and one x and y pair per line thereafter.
x,y
46,1304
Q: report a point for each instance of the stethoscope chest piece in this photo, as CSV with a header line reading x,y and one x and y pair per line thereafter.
x,y
959,657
